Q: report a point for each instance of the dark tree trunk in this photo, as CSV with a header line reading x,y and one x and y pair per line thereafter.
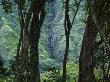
x,y
65,58
34,41
23,45
25,70
99,14
19,54
36,24
67,27
86,69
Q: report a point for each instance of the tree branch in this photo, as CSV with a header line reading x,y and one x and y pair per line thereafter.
x,y
98,26
75,13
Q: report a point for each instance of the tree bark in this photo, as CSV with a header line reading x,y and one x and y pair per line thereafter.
x,y
34,41
67,26
65,58
86,69
36,24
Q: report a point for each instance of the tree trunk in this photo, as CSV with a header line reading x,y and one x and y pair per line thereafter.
x,y
67,27
86,69
65,58
36,24
29,63
34,41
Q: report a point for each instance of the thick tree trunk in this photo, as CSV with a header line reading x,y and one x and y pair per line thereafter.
x,y
34,41
25,70
23,45
86,69
100,14
36,24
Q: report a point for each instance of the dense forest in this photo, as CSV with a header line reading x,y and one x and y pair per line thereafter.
x,y
54,40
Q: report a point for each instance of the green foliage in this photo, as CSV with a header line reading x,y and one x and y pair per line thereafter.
x,y
72,70
8,42
6,79
7,5
9,34
53,75
47,63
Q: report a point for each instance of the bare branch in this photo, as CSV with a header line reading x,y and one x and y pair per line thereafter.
x,y
75,13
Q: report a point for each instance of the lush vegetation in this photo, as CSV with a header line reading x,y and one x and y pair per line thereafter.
x,y
54,41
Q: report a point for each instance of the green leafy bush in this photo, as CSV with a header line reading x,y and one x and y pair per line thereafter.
x,y
53,75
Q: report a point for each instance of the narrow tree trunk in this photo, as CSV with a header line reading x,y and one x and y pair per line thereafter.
x,y
86,69
67,27
18,59
65,58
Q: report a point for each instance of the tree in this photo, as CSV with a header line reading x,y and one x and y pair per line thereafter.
x,y
31,19
86,69
36,24
67,26
95,23
23,45
28,71
100,15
